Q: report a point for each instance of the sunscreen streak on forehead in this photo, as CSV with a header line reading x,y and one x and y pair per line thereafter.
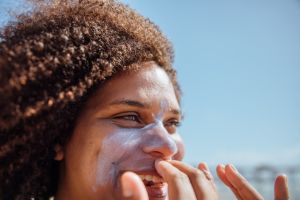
x,y
122,149
163,108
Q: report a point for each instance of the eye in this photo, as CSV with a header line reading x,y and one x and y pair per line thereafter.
x,y
128,117
128,120
172,125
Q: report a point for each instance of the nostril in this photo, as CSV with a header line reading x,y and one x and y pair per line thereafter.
x,y
156,154
159,143
161,149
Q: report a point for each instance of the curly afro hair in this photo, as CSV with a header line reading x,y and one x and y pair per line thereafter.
x,y
51,60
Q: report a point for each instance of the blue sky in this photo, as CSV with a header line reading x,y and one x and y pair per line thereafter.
x,y
239,67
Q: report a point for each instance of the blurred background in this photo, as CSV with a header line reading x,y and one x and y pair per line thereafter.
x,y
238,63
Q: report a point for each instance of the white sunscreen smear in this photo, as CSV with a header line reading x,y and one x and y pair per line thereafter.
x,y
125,149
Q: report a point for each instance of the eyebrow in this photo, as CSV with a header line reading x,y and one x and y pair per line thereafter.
x,y
134,103
176,112
129,102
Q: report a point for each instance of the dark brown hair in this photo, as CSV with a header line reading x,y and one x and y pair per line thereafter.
x,y
51,59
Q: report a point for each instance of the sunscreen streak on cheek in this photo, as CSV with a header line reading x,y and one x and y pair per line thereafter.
x,y
116,148
123,150
113,149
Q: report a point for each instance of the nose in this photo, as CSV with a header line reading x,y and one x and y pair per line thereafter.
x,y
159,142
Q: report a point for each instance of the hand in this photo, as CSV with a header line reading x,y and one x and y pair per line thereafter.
x,y
184,182
242,188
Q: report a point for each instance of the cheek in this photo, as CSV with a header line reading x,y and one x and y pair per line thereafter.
x,y
115,150
180,146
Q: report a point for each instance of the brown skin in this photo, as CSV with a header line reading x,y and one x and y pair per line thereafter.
x,y
52,59
100,119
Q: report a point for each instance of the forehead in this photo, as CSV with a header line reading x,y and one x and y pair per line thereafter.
x,y
150,84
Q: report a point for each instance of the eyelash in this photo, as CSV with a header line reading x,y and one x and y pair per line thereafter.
x,y
127,117
136,117
173,122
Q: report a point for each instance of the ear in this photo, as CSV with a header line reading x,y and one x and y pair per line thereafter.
x,y
59,153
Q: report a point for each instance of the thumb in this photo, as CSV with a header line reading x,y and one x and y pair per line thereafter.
x,y
133,187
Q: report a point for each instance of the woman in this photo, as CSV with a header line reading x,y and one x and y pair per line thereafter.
x,y
90,107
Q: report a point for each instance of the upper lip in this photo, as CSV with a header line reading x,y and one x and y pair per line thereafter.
x,y
153,173
144,166
148,172
154,178
139,165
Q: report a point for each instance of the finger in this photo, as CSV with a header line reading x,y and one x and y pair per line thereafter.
x,y
243,187
202,186
179,185
133,187
188,170
203,165
221,174
281,188
205,169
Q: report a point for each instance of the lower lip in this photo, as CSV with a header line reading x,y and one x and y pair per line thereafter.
x,y
160,191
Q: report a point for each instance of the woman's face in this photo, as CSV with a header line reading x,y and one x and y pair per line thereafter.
x,y
125,126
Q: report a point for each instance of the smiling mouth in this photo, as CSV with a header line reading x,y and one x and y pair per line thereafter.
x,y
155,186
151,180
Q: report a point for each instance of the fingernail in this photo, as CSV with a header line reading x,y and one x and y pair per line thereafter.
x,y
157,165
156,162
233,168
208,174
205,164
221,165
285,178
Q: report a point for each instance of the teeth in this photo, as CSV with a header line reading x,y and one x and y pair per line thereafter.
x,y
148,178
152,178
